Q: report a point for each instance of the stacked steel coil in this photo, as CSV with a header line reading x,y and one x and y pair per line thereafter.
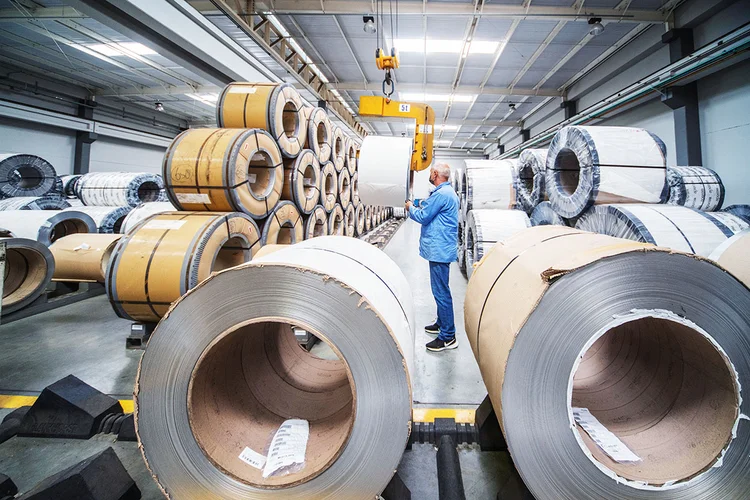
x,y
530,180
53,202
119,189
46,226
695,187
29,267
27,175
316,224
107,219
485,228
302,181
145,211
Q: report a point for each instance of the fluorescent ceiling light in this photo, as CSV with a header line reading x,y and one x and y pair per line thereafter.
x,y
207,99
114,49
437,127
420,97
444,142
444,46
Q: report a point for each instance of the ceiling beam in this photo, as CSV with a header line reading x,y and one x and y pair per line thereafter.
x,y
40,13
157,91
365,7
447,89
454,123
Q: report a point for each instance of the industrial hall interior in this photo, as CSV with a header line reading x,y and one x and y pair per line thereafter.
x,y
375,249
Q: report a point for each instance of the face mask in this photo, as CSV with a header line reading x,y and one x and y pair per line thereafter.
x,y
432,188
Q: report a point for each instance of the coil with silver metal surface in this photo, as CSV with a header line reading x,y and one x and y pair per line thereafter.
x,y
224,170
45,226
355,188
144,211
345,188
359,217
490,187
302,181
29,266
544,215
284,226
49,202
170,253
530,180
598,165
350,159
223,372
695,187
368,217
679,228
615,368
69,185
338,151
27,175
273,107
107,219
316,224
350,221
399,212
734,256
117,189
486,228
740,211
319,133
329,186
83,256
336,221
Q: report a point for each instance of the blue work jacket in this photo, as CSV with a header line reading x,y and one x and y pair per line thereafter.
x,y
438,215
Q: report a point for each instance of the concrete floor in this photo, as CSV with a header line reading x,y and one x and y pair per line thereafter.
x,y
87,340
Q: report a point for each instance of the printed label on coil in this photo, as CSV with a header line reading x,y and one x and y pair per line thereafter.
x,y
164,224
288,446
242,90
253,458
606,440
193,198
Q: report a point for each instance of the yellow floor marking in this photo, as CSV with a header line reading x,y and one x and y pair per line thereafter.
x,y
462,416
8,401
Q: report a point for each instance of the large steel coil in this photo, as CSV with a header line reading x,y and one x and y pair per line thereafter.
x,y
350,221
276,108
49,202
223,372
680,228
486,228
29,266
615,367
598,165
329,186
27,175
46,226
338,151
491,187
316,224
734,256
530,180
170,253
544,215
107,219
345,188
336,221
224,170
302,181
117,189
284,226
740,211
83,257
695,187
69,185
319,133
144,211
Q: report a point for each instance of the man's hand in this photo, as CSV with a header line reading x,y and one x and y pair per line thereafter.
x,y
408,204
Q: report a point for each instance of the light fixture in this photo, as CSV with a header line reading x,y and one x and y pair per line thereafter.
x,y
434,45
512,106
484,135
596,26
369,26
158,106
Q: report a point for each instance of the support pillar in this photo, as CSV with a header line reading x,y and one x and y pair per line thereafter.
x,y
82,158
570,108
525,134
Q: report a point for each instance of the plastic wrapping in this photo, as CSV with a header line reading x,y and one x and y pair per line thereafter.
x,y
680,228
329,186
319,133
531,169
69,185
601,165
742,211
384,170
486,228
29,266
27,175
491,186
544,215
336,221
118,189
316,224
45,226
144,211
695,187
108,219
53,202
302,181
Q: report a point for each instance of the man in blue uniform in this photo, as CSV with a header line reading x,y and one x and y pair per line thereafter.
x,y
438,244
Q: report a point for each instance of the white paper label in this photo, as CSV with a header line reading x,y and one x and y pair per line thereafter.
x,y
424,129
288,446
136,327
404,108
308,182
252,457
164,224
193,198
607,441
251,178
242,90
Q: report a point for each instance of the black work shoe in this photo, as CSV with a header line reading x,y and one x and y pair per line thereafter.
x,y
438,345
433,328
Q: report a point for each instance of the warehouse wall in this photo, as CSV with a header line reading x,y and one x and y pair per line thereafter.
x,y
55,145
115,155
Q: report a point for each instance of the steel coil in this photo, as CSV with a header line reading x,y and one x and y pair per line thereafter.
x,y
224,170
680,228
144,211
117,189
83,257
491,187
359,217
350,221
329,186
336,221
368,217
338,152
29,266
695,187
734,256
598,165
350,159
69,185
316,224
302,181
53,202
486,228
355,189
27,175
275,108
636,355
170,253
345,188
530,179
284,226
45,226
219,377
319,133
399,212
740,211
108,219
544,215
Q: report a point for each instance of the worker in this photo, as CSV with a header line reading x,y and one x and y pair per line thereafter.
x,y
438,243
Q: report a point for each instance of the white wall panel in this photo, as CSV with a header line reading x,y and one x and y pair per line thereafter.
x,y
55,145
114,155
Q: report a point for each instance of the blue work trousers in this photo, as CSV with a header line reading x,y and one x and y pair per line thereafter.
x,y
439,272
